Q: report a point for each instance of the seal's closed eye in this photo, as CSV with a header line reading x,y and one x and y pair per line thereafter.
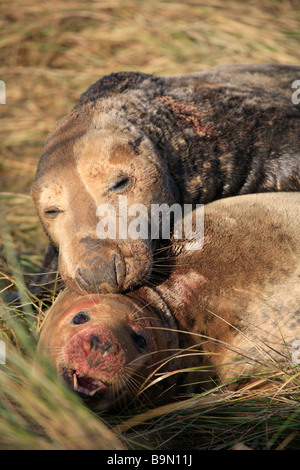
x,y
120,185
52,213
80,318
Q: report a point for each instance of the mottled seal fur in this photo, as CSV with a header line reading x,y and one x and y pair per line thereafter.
x,y
231,308
158,140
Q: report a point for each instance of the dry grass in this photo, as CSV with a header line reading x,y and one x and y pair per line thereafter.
x,y
50,52
38,413
222,420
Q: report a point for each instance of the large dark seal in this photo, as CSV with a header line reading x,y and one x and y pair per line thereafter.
x,y
231,309
189,139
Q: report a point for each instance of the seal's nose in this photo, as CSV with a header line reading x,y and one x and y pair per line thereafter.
x,y
100,275
95,357
95,342
94,348
97,345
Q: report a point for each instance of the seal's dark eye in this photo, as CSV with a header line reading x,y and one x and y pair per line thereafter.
x,y
120,185
52,213
80,317
139,341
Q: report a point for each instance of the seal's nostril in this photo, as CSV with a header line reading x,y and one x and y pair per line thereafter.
x,y
95,342
103,274
106,346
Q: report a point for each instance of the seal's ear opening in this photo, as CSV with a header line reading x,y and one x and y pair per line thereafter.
x,y
139,341
80,318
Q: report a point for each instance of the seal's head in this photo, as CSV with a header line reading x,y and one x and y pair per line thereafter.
x,y
104,346
96,181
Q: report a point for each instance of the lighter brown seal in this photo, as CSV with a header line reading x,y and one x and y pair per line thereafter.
x,y
232,309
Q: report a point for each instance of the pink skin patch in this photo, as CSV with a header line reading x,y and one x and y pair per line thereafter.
x,y
188,115
184,287
96,359
81,304
96,352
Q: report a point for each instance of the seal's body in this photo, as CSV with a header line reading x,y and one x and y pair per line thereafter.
x,y
231,308
161,140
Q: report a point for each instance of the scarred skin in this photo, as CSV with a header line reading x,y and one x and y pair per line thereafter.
x,y
187,139
231,307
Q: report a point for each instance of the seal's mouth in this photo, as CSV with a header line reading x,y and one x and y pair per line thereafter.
x,y
84,384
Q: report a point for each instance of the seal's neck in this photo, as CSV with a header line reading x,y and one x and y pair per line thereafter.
x,y
152,297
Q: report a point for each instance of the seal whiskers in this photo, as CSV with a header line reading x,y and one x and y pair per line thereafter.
x,y
189,139
225,314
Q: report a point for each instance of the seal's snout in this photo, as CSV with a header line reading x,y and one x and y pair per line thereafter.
x,y
98,350
95,358
94,351
103,266
101,273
